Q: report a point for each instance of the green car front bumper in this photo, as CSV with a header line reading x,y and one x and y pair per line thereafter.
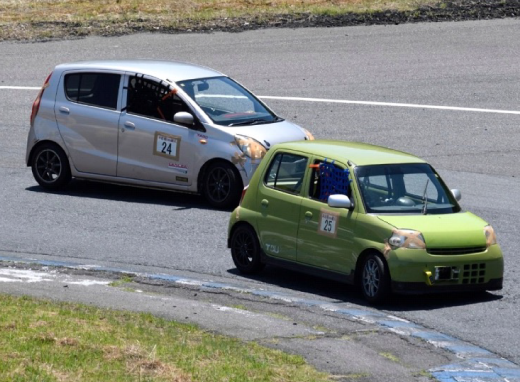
x,y
418,271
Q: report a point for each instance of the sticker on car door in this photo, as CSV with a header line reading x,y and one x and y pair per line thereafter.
x,y
166,145
328,223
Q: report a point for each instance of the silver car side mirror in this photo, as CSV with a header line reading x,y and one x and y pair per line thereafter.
x,y
456,193
340,201
184,118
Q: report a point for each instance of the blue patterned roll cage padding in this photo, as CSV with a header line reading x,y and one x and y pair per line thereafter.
x,y
333,180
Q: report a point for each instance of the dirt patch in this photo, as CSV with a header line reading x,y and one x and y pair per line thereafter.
x,y
448,11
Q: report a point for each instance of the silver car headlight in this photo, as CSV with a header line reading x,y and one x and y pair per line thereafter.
x,y
250,147
308,135
407,238
491,237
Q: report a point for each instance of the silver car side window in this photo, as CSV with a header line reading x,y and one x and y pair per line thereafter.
x,y
153,99
96,89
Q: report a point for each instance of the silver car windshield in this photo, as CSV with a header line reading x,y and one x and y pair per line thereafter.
x,y
404,189
227,103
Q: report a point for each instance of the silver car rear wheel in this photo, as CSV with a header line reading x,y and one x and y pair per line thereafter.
x,y
50,167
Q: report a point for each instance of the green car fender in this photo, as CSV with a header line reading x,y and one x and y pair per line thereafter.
x,y
370,236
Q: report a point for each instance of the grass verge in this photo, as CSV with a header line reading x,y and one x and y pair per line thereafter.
x,y
37,20
175,12
47,341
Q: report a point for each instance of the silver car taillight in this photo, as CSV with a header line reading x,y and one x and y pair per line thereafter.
x,y
37,101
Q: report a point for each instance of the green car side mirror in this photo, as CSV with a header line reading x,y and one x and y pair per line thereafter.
x,y
456,193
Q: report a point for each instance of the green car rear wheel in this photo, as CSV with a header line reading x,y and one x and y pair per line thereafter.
x,y
245,250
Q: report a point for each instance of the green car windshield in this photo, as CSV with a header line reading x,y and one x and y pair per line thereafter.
x,y
410,188
227,103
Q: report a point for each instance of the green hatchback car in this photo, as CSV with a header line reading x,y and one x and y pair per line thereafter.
x,y
362,214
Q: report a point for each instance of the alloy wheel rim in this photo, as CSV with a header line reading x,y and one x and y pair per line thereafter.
x,y
243,249
219,184
48,166
371,278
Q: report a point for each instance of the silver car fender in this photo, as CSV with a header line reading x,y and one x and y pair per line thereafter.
x,y
44,129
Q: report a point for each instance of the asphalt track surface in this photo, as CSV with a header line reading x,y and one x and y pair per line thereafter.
x,y
448,92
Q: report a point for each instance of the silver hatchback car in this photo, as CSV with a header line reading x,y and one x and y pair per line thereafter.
x,y
157,124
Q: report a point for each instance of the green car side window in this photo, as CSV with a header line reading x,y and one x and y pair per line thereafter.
x,y
286,172
315,183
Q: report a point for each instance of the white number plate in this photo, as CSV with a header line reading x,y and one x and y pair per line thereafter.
x,y
328,223
167,145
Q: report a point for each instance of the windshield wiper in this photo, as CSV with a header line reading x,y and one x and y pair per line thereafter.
x,y
250,122
425,199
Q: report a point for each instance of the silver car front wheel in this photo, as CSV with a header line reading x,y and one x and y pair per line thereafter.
x,y
222,185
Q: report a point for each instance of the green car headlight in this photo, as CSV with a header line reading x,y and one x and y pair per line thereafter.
x,y
407,238
491,237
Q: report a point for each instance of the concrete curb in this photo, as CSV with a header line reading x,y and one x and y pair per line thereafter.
x,y
476,364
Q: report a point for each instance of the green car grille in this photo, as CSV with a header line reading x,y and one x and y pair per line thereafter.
x,y
455,251
463,274
473,273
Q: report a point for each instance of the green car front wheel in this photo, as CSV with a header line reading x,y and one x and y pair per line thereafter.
x,y
375,279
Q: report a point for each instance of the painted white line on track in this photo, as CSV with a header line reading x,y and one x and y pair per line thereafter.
x,y
21,87
348,102
391,104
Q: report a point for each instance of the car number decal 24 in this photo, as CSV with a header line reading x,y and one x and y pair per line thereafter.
x,y
328,223
166,145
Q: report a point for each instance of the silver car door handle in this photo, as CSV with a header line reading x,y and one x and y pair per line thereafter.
x,y
64,110
130,125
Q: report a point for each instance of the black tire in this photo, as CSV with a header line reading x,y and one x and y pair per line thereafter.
x,y
222,185
375,279
246,251
50,167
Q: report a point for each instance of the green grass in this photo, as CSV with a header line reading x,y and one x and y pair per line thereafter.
x,y
390,356
47,341
64,19
46,19
122,281
80,10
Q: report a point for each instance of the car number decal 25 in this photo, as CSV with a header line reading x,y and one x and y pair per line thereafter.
x,y
166,145
328,223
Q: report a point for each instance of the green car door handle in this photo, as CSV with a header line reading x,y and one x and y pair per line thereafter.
x,y
265,203
308,215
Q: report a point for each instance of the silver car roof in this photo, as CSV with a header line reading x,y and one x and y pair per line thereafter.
x,y
165,70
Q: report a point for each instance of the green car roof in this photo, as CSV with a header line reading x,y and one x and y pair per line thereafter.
x,y
361,154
